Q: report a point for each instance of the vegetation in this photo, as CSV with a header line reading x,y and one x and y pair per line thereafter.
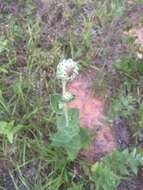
x,y
38,146
70,135
124,164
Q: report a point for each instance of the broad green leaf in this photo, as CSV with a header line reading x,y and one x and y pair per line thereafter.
x,y
71,144
64,136
68,137
61,138
73,116
85,137
61,121
73,147
56,101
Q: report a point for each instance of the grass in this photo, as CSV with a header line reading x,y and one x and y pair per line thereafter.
x,y
27,79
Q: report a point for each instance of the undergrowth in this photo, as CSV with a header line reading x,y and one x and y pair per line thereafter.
x,y
124,164
27,118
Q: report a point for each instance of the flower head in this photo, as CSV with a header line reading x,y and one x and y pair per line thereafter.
x,y
67,70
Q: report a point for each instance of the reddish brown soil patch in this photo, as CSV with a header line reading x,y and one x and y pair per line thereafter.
x,y
92,116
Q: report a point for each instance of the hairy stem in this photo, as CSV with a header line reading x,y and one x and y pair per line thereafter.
x,y
65,109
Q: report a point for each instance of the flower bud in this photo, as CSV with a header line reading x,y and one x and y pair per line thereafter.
x,y
67,70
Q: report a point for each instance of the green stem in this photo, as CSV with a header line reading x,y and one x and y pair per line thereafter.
x,y
65,109
5,147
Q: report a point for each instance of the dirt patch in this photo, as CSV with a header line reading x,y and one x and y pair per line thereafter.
x,y
5,178
55,25
121,133
92,115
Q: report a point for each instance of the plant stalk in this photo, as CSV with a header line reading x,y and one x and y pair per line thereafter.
x,y
65,108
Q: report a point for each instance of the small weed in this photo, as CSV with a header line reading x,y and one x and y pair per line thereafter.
x,y
69,135
108,11
101,83
8,129
114,167
128,99
122,106
130,67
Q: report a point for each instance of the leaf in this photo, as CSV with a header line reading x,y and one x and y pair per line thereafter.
x,y
61,121
62,137
3,103
140,115
17,128
114,167
85,137
130,66
3,70
74,123
121,106
56,101
8,129
3,126
5,129
73,147
68,137
10,137
104,177
3,44
95,167
73,117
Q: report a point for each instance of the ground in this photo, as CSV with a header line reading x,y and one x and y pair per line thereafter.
x,y
105,39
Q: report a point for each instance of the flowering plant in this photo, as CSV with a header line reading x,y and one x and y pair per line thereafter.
x,y
69,135
67,70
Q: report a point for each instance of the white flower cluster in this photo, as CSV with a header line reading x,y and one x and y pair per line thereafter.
x,y
67,70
